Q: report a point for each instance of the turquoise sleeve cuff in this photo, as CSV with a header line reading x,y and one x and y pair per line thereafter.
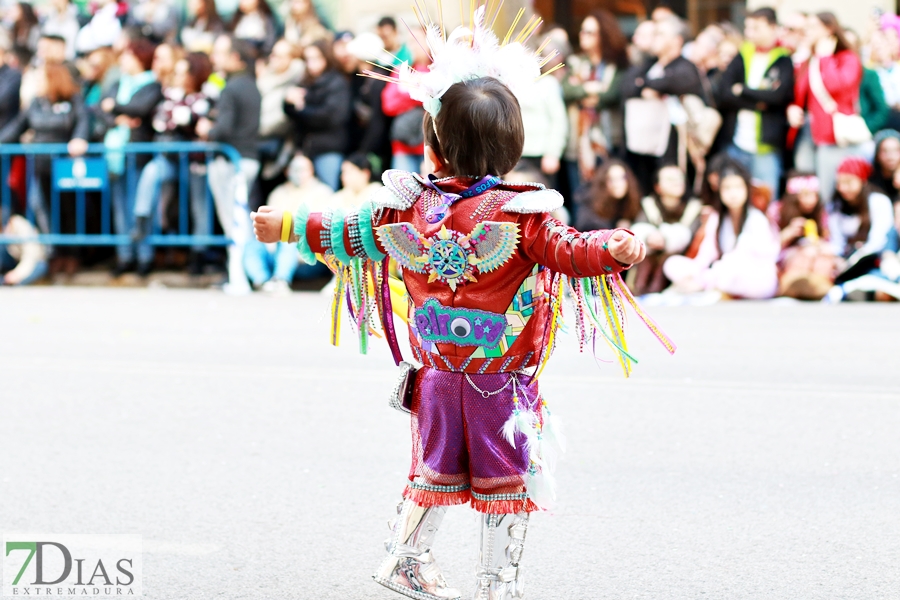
x,y
367,235
303,249
337,237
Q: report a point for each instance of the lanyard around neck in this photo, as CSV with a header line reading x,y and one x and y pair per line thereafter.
x,y
439,212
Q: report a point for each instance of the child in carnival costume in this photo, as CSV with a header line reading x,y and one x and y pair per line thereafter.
x,y
484,266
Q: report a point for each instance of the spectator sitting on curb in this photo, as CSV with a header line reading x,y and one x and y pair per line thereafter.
x,y
24,263
272,267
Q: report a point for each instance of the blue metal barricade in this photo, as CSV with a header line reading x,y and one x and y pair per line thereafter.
x,y
89,174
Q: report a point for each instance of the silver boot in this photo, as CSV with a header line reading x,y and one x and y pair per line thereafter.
x,y
410,569
502,541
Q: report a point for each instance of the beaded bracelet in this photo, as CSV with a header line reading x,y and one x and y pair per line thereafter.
x,y
325,232
303,249
356,245
337,237
366,235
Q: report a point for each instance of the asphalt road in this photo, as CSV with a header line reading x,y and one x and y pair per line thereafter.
x,y
258,462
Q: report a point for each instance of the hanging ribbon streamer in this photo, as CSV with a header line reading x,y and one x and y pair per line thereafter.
x,y
387,312
600,308
336,308
555,318
665,340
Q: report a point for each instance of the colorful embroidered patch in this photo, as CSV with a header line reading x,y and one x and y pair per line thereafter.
x,y
517,315
461,326
450,256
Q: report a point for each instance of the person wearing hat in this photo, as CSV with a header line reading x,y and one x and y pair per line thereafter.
x,y
862,229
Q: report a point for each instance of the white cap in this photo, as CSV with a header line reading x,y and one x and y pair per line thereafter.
x,y
367,46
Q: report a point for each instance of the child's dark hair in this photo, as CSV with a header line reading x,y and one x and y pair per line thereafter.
x,y
714,167
678,212
614,209
728,170
479,129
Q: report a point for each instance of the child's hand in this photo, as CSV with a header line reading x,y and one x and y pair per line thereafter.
x,y
626,248
267,224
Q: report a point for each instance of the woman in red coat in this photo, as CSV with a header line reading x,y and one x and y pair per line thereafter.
x,y
841,73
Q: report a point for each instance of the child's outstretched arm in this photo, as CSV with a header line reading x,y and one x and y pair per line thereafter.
x,y
579,254
343,236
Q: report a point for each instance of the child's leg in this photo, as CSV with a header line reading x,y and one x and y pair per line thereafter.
x,y
410,569
439,473
438,478
501,474
500,551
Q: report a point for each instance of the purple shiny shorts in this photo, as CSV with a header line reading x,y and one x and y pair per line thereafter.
x,y
459,452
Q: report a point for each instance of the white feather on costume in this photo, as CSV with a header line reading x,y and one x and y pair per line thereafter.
x,y
467,54
547,450
515,65
484,40
541,487
553,431
521,421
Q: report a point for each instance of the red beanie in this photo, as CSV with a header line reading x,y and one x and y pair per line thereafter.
x,y
853,165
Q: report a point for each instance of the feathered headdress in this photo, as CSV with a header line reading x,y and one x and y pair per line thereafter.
x,y
469,53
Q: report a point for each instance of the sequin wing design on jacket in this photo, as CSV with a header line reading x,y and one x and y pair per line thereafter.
x,y
405,244
494,243
450,256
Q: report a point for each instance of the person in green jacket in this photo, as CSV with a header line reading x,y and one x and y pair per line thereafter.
x,y
872,105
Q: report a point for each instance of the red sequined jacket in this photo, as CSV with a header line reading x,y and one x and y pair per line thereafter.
x,y
479,281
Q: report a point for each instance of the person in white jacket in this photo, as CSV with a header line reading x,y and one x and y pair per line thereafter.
x,y
103,29
862,219
666,225
738,254
546,125
283,70
60,17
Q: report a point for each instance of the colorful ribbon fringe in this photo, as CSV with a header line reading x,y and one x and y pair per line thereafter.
x,y
599,304
359,285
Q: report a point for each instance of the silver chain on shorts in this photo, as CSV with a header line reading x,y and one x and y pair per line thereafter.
x,y
487,394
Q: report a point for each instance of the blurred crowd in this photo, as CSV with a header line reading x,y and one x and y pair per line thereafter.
x,y
753,164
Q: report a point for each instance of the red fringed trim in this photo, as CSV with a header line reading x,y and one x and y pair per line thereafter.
x,y
504,507
426,498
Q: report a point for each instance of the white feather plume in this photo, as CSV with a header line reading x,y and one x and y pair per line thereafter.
x,y
541,488
553,431
483,39
521,421
516,66
467,54
434,39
